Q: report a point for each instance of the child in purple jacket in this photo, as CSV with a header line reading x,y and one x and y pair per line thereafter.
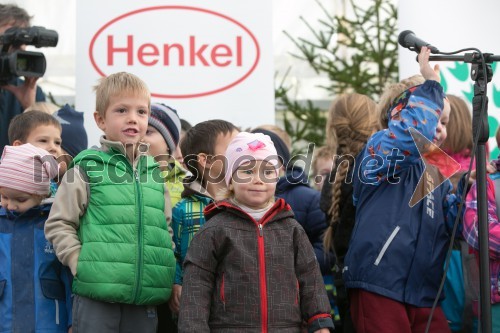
x,y
470,233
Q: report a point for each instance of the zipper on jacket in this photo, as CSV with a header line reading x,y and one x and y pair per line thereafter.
x,y
262,264
222,296
262,278
386,245
297,293
138,274
57,311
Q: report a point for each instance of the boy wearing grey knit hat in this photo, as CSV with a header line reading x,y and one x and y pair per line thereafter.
x,y
163,134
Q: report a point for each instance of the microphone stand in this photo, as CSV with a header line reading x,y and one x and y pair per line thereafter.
x,y
480,122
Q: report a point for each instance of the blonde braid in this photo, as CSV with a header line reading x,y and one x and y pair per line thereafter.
x,y
351,121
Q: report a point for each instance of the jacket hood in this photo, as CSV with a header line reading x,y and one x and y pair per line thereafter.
x,y
175,171
293,177
278,211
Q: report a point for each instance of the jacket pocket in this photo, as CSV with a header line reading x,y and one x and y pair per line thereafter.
x,y
2,287
50,282
386,245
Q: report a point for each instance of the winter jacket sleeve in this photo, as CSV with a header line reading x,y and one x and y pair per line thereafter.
x,y
177,226
470,223
61,228
325,200
315,225
422,113
67,280
200,267
314,303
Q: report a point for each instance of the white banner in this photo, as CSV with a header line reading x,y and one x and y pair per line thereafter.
x,y
206,59
451,25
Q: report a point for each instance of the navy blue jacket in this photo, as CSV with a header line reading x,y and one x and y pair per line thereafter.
x,y
396,250
35,288
294,188
10,107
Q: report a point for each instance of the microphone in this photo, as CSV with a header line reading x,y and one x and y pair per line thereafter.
x,y
408,40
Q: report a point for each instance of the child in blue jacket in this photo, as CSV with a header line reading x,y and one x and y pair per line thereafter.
x,y
35,288
395,260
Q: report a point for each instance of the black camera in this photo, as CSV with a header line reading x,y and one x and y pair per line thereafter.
x,y
24,63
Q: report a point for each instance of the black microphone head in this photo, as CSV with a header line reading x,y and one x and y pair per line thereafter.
x,y
402,36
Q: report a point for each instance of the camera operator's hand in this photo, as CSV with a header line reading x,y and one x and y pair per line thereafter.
x,y
25,93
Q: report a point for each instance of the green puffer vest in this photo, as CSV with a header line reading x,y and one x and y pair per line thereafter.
x,y
126,253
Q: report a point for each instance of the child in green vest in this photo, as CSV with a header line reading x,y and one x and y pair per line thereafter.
x,y
108,222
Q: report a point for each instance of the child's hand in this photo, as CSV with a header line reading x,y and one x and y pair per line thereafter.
x,y
323,330
489,169
426,70
174,303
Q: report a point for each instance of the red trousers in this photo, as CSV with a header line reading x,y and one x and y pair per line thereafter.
x,y
373,313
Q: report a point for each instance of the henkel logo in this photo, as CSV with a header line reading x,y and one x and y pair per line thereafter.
x,y
180,51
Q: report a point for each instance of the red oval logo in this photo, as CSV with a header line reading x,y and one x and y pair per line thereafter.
x,y
175,61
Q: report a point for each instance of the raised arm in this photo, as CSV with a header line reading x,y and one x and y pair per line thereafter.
x,y
391,150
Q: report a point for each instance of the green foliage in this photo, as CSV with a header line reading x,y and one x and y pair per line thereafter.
x,y
303,121
358,53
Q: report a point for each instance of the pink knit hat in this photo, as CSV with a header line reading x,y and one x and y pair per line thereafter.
x,y
27,168
247,147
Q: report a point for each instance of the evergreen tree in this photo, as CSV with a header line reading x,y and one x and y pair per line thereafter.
x,y
357,52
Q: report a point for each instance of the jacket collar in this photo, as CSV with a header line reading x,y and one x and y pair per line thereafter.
x,y
278,211
35,211
194,187
108,145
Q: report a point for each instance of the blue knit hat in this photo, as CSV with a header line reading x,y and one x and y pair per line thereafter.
x,y
167,122
74,137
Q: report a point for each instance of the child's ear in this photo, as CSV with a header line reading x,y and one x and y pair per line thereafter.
x,y
202,160
99,120
17,143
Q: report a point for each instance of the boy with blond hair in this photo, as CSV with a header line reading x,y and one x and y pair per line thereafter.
x,y
108,222
321,166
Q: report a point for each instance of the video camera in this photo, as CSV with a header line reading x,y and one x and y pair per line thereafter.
x,y
24,63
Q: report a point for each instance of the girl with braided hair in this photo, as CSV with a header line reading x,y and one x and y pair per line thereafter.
x,y
352,119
